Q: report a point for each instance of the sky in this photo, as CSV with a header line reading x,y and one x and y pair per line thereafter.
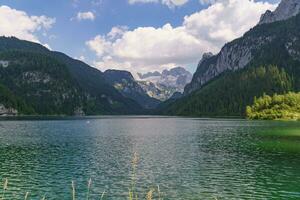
x,y
133,35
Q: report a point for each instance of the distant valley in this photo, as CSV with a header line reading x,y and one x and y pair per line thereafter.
x,y
152,88
37,81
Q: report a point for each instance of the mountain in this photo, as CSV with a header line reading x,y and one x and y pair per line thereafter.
x,y
149,74
285,10
265,60
124,82
239,53
163,85
39,81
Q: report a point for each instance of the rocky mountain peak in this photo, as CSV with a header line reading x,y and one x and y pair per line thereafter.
x,y
177,71
116,75
205,56
285,10
163,85
149,74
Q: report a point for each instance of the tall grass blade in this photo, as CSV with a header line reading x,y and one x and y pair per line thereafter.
x,y
88,189
158,191
73,191
134,164
150,195
26,196
5,186
130,195
102,196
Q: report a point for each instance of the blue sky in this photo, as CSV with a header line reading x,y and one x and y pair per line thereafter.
x,y
177,28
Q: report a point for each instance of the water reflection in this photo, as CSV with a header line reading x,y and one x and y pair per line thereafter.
x,y
188,158
280,140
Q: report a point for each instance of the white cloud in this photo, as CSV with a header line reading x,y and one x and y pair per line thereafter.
x,y
225,20
100,45
169,3
149,48
117,32
172,3
208,1
19,24
142,1
81,58
85,16
47,46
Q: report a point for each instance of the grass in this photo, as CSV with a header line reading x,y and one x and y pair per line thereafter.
x,y
132,194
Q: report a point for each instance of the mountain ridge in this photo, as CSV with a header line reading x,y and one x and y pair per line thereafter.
x,y
266,59
162,85
125,83
234,55
286,9
90,94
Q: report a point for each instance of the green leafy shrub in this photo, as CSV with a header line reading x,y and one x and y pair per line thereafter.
x,y
286,106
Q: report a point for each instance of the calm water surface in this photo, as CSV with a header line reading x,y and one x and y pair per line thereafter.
x,y
187,158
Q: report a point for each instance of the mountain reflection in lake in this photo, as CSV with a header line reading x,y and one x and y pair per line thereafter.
x,y
187,158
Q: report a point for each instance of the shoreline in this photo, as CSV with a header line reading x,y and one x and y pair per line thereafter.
x,y
86,117
67,117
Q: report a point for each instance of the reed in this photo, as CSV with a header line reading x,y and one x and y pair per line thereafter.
x,y
102,195
26,195
132,195
73,191
158,192
134,164
150,195
5,185
88,189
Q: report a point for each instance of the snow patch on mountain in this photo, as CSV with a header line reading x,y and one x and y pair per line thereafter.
x,y
163,85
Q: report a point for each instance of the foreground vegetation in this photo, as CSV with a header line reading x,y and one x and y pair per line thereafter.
x,y
286,107
153,193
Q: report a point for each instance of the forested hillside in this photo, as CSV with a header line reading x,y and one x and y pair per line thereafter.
x,y
50,83
230,94
274,68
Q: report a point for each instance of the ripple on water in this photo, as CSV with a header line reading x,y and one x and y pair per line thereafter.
x,y
187,158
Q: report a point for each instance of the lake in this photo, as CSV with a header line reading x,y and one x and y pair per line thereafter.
x,y
188,158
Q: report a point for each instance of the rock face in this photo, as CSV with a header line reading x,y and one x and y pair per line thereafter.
x,y
7,111
233,56
157,91
240,52
124,82
163,85
4,63
149,74
285,10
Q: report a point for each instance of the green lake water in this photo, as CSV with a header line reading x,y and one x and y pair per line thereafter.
x,y
187,158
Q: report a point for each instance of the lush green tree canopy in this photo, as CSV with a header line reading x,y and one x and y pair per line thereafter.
x,y
286,106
